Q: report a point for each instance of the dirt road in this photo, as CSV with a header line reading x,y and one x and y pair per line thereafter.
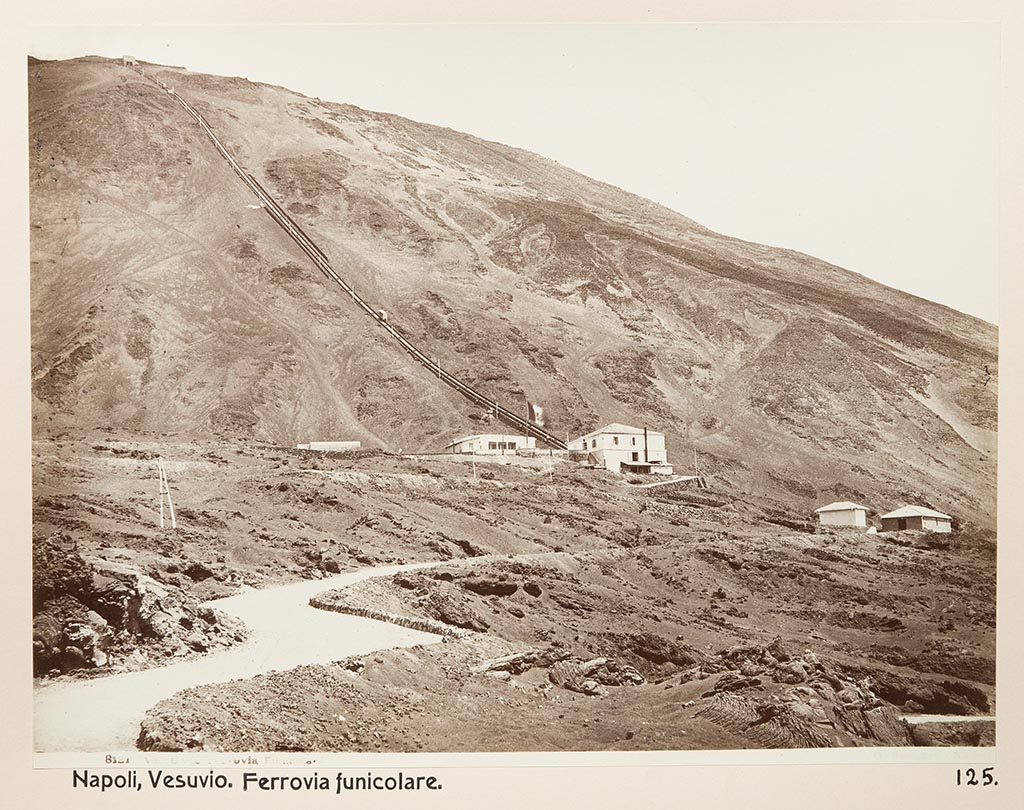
x,y
103,714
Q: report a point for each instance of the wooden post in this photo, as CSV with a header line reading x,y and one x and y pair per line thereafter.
x,y
165,490
170,503
160,475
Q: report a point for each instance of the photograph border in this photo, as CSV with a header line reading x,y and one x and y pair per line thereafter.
x,y
922,777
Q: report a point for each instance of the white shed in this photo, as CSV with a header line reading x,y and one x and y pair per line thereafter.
x,y
842,513
917,517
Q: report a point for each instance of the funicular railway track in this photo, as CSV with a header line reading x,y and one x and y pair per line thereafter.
x,y
319,258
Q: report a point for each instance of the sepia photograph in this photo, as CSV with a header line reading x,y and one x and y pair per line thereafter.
x,y
521,388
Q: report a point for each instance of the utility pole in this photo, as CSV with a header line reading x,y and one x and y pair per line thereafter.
x,y
165,491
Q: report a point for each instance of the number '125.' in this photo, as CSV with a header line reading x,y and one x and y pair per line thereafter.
x,y
969,776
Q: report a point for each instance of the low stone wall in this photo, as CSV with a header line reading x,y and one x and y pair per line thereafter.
x,y
423,625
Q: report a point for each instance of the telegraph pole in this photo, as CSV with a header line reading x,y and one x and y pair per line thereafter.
x,y
165,491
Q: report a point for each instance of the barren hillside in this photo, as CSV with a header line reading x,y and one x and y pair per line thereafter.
x,y
164,300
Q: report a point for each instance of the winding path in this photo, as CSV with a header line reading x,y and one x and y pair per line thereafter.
x,y
103,714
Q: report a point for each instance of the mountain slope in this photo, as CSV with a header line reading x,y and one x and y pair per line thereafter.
x,y
162,299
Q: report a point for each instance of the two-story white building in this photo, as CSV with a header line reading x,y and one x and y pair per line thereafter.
x,y
621,448
484,444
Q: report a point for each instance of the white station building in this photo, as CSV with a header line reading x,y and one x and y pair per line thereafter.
x,y
626,449
330,447
491,444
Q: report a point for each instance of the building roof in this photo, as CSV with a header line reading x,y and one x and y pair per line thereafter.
x,y
916,511
618,427
841,506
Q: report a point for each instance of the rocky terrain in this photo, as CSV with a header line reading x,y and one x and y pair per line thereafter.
x,y
556,655
171,318
669,595
163,300
446,699
96,612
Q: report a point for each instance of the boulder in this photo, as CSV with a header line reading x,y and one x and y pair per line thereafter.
x,y
331,565
732,682
749,668
117,601
791,672
590,677
198,571
575,675
58,570
447,610
489,587
656,649
46,630
410,582
71,658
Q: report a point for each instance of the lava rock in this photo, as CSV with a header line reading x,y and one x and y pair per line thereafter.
x,y
489,587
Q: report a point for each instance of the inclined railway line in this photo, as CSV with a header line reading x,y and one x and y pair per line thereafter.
x,y
319,258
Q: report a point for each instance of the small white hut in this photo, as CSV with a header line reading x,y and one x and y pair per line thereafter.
x,y
920,518
843,513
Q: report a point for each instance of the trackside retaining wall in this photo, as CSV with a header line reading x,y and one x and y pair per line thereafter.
x,y
323,602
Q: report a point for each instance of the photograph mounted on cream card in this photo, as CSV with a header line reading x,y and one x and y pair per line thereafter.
x,y
537,389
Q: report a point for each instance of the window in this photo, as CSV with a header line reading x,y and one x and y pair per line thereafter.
x,y
634,441
511,445
615,439
636,456
593,443
492,445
